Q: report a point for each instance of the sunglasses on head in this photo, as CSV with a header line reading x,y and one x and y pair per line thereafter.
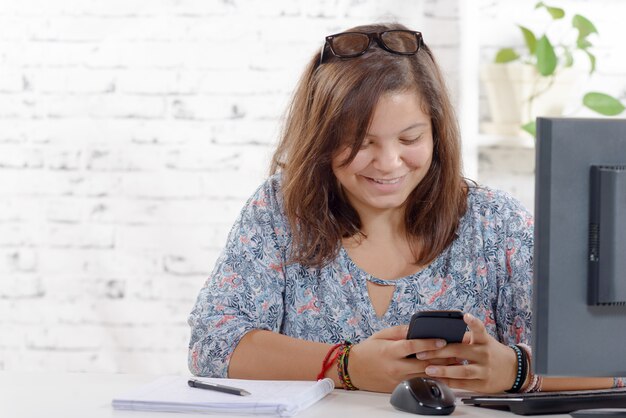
x,y
354,44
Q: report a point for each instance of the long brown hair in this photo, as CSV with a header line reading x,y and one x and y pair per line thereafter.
x,y
333,105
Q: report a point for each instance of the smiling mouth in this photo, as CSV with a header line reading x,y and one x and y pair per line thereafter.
x,y
385,181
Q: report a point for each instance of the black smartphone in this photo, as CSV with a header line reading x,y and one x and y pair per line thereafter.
x,y
447,325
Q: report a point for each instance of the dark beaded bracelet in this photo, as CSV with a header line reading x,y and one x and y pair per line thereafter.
x,y
522,369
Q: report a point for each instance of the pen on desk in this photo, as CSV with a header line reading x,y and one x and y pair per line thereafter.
x,y
194,383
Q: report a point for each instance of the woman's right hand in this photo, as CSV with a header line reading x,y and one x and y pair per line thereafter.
x,y
380,362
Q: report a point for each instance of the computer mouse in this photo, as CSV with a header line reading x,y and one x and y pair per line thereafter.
x,y
424,396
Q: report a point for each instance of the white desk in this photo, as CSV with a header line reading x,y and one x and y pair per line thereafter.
x,y
66,395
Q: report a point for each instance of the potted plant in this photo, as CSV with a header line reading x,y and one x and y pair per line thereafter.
x,y
538,79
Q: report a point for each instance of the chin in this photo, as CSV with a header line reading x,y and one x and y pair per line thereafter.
x,y
394,203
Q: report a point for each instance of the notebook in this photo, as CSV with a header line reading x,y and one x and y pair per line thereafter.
x,y
268,397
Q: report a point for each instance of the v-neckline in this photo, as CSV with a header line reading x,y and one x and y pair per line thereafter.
x,y
398,283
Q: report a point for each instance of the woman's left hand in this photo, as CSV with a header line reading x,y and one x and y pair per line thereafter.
x,y
490,367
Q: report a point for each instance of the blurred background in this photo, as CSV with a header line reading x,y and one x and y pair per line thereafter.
x,y
132,132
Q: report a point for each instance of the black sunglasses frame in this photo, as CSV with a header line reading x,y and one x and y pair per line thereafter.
x,y
373,36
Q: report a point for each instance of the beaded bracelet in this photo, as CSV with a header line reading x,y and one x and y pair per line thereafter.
x,y
534,381
521,369
342,366
326,364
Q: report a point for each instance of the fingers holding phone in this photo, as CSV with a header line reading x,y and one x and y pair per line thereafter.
x,y
489,366
380,362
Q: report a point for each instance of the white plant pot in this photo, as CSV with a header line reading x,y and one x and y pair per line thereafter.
x,y
509,89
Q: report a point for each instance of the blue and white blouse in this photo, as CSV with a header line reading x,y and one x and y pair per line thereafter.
x,y
487,271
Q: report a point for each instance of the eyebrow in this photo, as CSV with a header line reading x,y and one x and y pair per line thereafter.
x,y
415,125
408,128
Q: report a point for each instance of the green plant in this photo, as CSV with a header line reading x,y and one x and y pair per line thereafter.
x,y
549,58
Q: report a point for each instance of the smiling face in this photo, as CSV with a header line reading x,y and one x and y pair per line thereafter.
x,y
394,158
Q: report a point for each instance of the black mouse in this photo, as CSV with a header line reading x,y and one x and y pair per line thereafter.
x,y
423,396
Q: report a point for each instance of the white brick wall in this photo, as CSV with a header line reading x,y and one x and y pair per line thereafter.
x,y
131,133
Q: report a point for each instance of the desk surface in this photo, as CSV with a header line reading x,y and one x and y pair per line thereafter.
x,y
67,395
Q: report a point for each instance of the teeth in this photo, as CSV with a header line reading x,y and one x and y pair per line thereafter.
x,y
390,181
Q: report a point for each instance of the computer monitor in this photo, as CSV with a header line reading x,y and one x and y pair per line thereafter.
x,y
579,291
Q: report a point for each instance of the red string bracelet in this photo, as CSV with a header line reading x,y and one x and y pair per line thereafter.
x,y
326,364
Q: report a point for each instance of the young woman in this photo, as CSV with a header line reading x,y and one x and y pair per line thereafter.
x,y
365,220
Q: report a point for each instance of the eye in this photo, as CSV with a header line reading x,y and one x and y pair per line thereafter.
x,y
366,143
410,141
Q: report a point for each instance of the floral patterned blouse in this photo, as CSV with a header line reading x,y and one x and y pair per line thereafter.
x,y
487,271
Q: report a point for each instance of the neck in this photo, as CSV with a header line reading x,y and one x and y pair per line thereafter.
x,y
383,224
385,244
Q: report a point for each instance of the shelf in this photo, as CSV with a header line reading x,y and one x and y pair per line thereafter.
x,y
488,140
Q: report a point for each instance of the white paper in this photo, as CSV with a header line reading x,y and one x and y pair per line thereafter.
x,y
268,397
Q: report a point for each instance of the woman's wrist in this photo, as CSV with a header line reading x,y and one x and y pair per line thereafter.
x,y
329,361
336,365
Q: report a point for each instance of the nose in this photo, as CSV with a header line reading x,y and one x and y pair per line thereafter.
x,y
387,158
